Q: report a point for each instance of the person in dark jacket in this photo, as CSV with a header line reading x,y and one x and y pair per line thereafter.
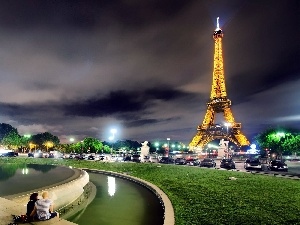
x,y
30,205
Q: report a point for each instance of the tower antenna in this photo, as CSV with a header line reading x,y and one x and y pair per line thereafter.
x,y
218,26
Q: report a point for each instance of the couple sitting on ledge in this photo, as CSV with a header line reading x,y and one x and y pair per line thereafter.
x,y
40,209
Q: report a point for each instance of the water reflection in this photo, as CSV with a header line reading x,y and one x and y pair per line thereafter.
x,y
25,171
16,178
8,170
111,182
42,168
131,204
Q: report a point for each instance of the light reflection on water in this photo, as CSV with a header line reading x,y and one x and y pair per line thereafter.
x,y
111,182
119,202
25,171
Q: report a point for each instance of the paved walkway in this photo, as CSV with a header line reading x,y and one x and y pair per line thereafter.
x,y
9,208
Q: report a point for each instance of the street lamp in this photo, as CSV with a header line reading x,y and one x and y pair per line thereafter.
x,y
227,125
111,138
156,145
280,135
48,144
168,139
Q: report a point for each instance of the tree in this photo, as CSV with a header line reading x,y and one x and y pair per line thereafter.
x,y
106,149
281,141
92,145
41,139
6,129
291,145
12,140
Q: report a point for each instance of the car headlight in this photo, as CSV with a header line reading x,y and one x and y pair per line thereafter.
x,y
275,166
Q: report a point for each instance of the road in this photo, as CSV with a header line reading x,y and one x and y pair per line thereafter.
x,y
294,167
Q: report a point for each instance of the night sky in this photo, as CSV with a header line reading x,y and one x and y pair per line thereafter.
x,y
79,68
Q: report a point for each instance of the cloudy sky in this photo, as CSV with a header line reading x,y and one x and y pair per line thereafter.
x,y
79,68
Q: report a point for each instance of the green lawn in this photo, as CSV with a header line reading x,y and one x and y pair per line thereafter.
x,y
207,196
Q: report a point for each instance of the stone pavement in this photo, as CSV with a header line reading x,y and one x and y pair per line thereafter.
x,y
9,208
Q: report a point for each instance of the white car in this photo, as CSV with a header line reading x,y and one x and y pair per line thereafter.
x,y
153,159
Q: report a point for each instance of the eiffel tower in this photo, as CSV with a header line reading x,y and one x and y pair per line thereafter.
x,y
219,103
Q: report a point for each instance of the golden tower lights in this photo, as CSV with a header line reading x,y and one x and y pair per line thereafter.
x,y
218,103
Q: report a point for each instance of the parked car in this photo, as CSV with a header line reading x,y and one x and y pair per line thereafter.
x,y
180,161
136,158
277,165
127,158
9,154
227,163
252,164
51,155
101,157
153,159
166,160
38,154
145,159
30,154
78,156
192,162
72,155
55,154
207,162
91,157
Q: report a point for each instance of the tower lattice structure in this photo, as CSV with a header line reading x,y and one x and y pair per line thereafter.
x,y
218,103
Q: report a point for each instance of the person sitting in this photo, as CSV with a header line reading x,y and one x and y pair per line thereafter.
x,y
43,208
30,205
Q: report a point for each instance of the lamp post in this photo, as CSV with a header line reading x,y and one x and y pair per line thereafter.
x,y
156,147
227,125
111,138
208,148
280,135
48,144
168,139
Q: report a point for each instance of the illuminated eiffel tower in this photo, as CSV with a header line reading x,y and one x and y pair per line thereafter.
x,y
219,103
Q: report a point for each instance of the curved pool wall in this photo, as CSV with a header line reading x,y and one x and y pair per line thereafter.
x,y
66,193
62,194
169,217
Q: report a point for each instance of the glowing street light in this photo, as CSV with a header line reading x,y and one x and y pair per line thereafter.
x,y
168,139
111,138
31,146
113,131
280,134
156,145
48,144
227,125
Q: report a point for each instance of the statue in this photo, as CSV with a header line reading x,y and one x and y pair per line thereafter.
x,y
223,149
144,150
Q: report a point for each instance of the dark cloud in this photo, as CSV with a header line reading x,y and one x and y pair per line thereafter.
x,y
143,122
122,101
87,14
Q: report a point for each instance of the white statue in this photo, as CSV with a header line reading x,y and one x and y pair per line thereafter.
x,y
144,150
223,149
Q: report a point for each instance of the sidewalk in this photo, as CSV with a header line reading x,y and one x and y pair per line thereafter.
x,y
9,208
